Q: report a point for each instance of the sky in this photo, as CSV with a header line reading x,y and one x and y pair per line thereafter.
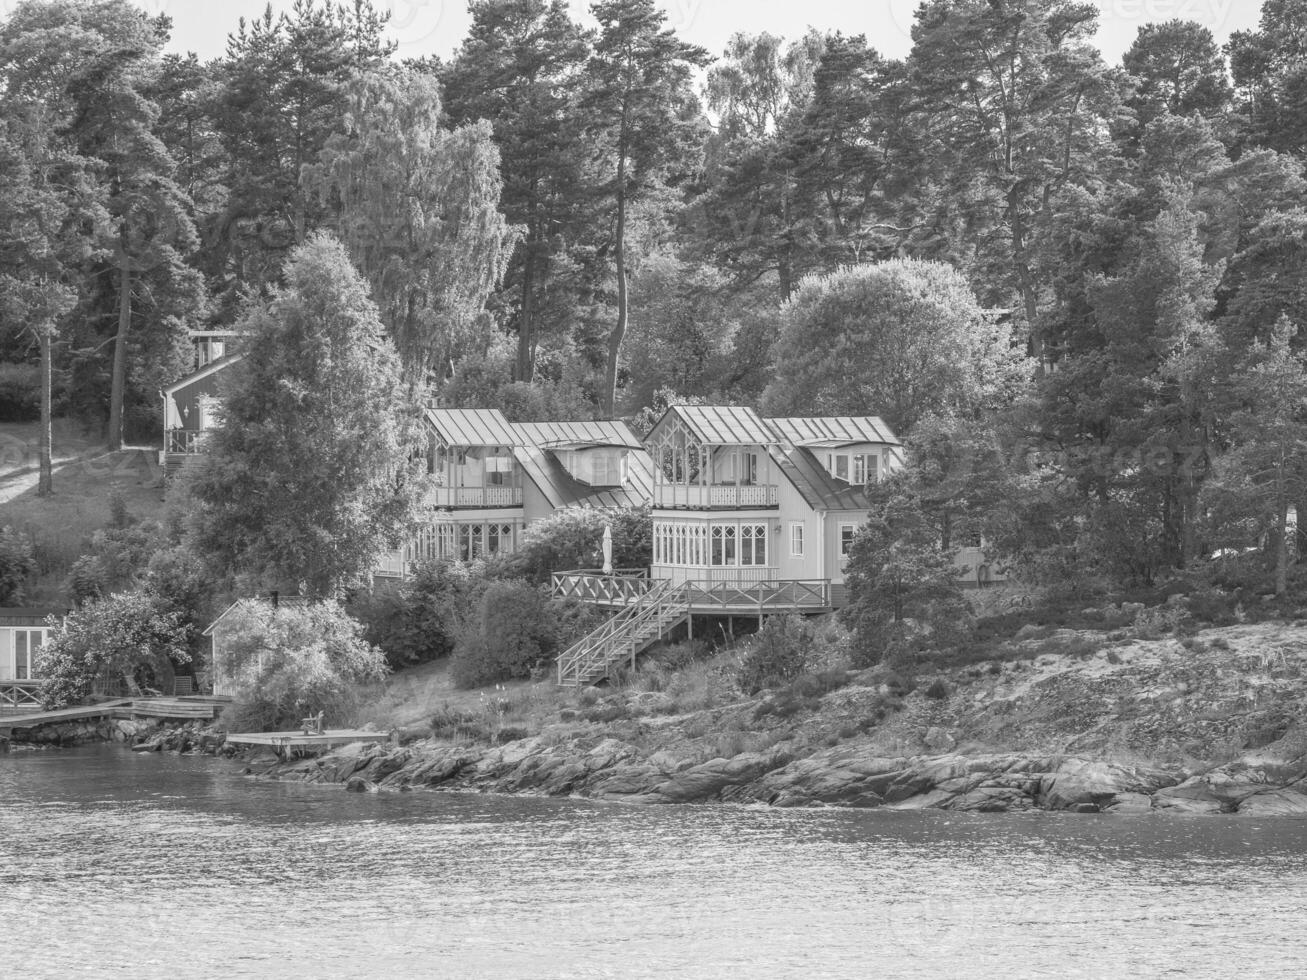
x,y
437,26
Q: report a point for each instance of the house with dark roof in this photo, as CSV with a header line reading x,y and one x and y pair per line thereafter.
x,y
190,404
493,477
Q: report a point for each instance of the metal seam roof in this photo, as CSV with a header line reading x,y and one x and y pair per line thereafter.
x,y
724,425
472,426
845,428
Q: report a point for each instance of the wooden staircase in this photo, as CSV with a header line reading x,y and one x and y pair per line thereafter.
x,y
635,628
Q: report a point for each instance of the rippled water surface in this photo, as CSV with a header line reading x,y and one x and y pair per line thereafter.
x,y
113,864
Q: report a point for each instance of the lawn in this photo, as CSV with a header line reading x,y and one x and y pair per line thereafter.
x,y
61,525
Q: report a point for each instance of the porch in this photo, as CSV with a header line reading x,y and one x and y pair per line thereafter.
x,y
20,696
725,593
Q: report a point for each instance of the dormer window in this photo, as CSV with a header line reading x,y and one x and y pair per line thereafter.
x,y
600,467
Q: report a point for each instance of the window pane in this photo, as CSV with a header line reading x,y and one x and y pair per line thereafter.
x,y
842,467
718,548
796,540
21,661
760,545
846,538
728,539
859,469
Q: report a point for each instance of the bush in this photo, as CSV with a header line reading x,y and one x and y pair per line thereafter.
x,y
511,633
20,392
17,563
129,636
778,653
573,538
294,660
422,621
938,690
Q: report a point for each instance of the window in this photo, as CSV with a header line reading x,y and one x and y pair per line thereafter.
x,y
26,643
753,544
796,540
499,537
842,467
846,539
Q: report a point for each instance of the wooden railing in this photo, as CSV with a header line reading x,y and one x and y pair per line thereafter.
x,y
619,588
20,694
796,594
183,441
726,497
474,497
724,574
635,627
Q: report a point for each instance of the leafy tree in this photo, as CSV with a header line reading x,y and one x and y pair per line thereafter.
x,y
779,652
896,339
1265,469
417,207
293,660
308,479
520,68
572,538
903,587
643,116
128,636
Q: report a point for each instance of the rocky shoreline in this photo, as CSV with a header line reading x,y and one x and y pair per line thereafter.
x,y
612,770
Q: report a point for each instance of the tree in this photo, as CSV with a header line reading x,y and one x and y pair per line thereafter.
x,y
1264,472
418,208
644,118
17,562
36,252
895,339
126,637
510,634
1180,69
1013,102
520,68
309,479
278,97
294,659
1269,66
572,537
903,587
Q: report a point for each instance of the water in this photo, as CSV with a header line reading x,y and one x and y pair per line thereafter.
x,y
113,864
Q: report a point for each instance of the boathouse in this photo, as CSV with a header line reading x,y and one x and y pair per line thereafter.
x,y
23,631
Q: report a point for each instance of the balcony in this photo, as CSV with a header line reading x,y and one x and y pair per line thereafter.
x,y
722,497
470,498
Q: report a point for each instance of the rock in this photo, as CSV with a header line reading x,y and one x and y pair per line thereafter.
x,y
1077,782
1130,804
940,740
357,784
1285,802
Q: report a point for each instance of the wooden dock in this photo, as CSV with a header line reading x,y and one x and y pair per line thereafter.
x,y
183,708
290,744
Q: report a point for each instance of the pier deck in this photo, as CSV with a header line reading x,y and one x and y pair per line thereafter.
x,y
202,708
290,741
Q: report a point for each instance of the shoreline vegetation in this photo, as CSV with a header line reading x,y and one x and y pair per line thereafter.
x,y
1077,721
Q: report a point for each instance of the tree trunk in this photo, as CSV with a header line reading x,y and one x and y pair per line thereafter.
x,y
526,320
119,382
45,484
1282,521
619,330
1025,281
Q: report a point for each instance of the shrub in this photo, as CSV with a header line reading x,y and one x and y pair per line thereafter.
x,y
422,620
17,563
293,660
938,690
778,653
129,636
510,633
20,392
573,538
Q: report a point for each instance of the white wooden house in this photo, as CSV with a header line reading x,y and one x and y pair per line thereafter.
x,y
23,631
494,477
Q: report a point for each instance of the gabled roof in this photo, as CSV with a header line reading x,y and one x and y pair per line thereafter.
x,y
816,486
562,490
722,425
285,600
576,435
213,367
472,426
837,431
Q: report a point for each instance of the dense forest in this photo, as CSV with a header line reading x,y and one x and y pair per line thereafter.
x,y
565,220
